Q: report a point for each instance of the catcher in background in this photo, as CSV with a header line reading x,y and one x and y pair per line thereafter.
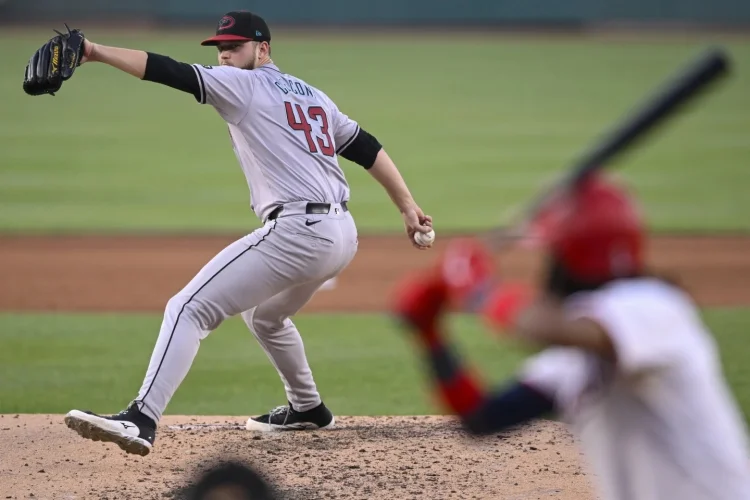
x,y
625,359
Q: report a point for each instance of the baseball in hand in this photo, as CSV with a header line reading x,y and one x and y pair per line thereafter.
x,y
424,239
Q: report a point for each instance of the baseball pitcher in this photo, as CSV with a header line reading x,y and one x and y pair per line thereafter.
x,y
625,359
286,135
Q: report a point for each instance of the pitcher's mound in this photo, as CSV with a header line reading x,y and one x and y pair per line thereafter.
x,y
363,458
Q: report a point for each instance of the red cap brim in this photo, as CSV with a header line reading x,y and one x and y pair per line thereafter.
x,y
215,40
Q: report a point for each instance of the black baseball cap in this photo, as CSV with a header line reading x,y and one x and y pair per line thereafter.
x,y
240,26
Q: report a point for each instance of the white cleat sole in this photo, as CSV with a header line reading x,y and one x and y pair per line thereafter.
x,y
255,426
101,429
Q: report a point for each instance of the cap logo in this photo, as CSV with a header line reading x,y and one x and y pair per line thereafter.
x,y
226,22
258,33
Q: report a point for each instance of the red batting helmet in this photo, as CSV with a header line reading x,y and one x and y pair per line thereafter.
x,y
595,232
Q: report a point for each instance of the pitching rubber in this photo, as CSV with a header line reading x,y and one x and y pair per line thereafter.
x,y
100,429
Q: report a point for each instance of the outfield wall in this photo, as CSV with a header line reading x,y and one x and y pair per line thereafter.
x,y
344,12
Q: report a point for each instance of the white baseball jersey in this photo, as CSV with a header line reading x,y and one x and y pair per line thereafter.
x,y
285,133
662,424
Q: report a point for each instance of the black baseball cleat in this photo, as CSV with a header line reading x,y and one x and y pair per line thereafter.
x,y
286,418
130,429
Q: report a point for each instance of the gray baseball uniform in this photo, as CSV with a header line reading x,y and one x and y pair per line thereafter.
x,y
286,135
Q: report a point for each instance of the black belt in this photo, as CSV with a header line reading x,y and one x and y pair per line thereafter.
x,y
312,208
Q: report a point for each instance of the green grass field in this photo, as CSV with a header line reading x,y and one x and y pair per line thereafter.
x,y
475,125
363,364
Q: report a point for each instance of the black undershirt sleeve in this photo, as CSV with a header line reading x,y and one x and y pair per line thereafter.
x,y
363,149
178,75
513,405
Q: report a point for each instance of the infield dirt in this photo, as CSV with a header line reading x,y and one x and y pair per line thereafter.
x,y
425,457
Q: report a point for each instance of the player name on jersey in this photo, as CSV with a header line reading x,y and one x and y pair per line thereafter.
x,y
291,87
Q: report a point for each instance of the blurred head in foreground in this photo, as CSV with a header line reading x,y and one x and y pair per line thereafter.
x,y
231,481
593,235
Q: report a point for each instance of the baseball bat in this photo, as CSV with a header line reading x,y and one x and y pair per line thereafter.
x,y
665,102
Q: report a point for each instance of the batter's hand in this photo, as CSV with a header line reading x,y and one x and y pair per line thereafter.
x,y
415,221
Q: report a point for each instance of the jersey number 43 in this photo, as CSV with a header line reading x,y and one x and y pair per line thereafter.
x,y
298,121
